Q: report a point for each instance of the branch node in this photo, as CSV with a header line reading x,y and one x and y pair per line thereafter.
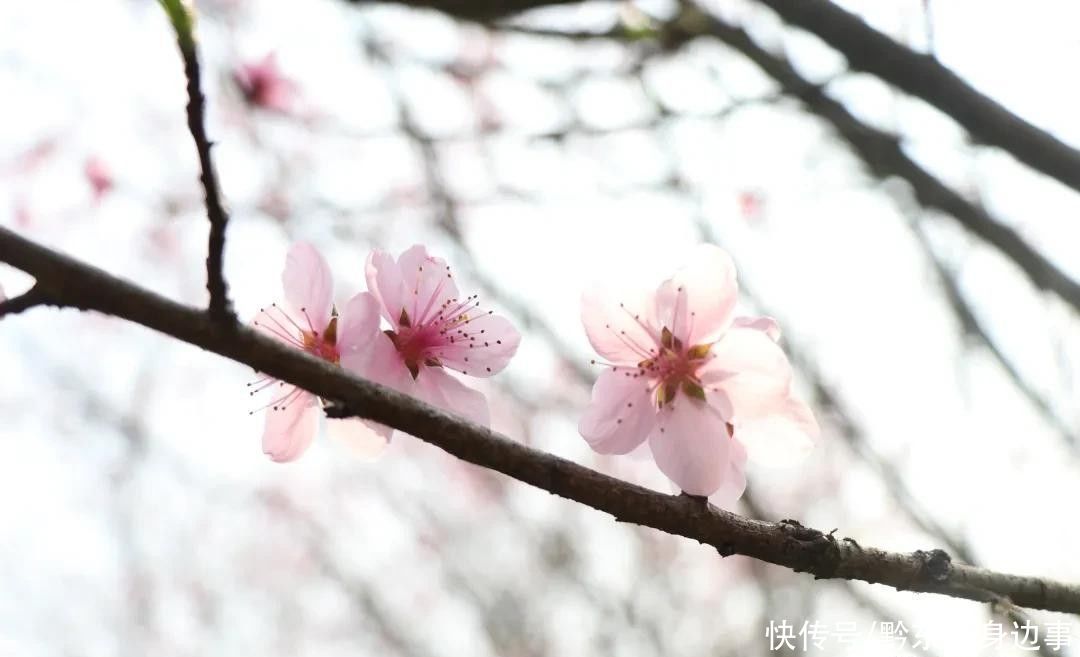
x,y
936,565
725,549
337,411
35,296
700,500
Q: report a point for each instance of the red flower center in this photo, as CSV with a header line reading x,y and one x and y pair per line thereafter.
x,y
676,368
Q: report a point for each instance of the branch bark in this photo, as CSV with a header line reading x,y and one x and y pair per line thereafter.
x,y
219,306
884,156
482,11
786,543
867,50
923,76
35,296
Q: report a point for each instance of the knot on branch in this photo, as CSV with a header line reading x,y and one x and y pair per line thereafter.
x,y
337,411
35,296
814,551
934,565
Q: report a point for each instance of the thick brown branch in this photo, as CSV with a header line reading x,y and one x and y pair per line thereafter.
x,y
786,543
35,296
474,10
884,156
923,76
219,306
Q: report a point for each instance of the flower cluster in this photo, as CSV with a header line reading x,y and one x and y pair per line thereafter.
x,y
706,389
432,329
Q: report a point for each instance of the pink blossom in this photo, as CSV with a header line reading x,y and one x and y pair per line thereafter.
x,y
264,85
309,321
703,387
434,330
751,204
99,176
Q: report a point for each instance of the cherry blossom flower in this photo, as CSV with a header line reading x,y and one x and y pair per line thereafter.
x,y
309,321
751,205
706,389
433,329
98,176
264,85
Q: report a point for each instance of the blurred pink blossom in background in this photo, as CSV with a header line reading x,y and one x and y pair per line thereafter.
x,y
99,176
264,85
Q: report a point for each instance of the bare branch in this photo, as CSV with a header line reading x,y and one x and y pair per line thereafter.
x,y
35,296
973,326
867,50
219,306
473,10
786,543
923,76
883,155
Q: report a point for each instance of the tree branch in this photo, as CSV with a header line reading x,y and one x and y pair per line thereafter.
x,y
481,11
883,155
35,296
182,21
973,326
923,76
786,543
867,50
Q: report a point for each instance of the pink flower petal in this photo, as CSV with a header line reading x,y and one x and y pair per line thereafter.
x,y
358,324
438,388
3,297
384,283
734,484
289,430
621,414
494,342
783,437
621,331
427,284
691,446
309,286
697,303
380,363
767,325
747,370
363,438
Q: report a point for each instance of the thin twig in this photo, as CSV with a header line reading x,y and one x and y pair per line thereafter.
x,y
219,307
